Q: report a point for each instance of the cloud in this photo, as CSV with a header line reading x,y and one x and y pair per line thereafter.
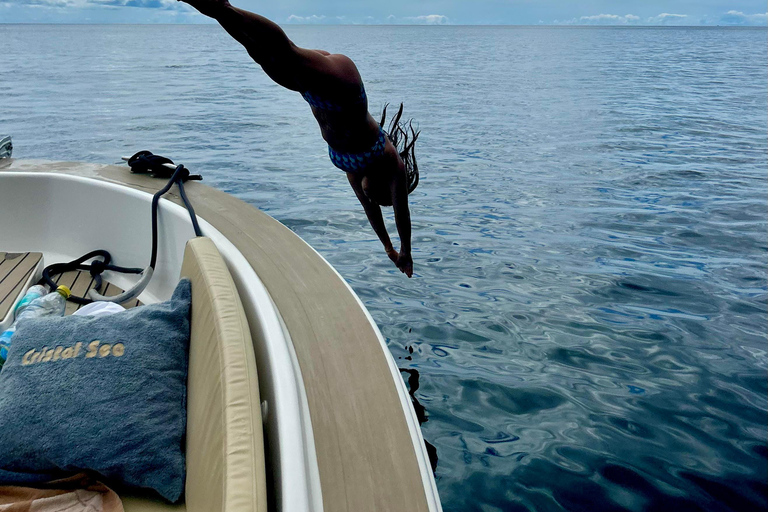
x,y
308,19
429,19
666,18
321,19
602,19
611,19
39,3
145,4
739,18
730,18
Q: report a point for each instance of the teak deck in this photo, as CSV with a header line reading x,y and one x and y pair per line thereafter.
x,y
81,282
365,455
15,271
16,268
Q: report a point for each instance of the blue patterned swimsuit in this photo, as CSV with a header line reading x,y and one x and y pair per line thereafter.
x,y
349,162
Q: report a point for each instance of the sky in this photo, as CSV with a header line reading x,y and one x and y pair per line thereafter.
x,y
420,12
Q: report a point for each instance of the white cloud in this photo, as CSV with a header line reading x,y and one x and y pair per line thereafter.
x,y
39,3
147,4
739,18
603,19
307,19
610,18
429,19
666,18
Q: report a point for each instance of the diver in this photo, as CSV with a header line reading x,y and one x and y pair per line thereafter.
x,y
380,164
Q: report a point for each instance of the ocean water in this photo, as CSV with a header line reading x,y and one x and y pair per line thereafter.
x,y
587,321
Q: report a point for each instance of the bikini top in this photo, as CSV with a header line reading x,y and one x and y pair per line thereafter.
x,y
351,101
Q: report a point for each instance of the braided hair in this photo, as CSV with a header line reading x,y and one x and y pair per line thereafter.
x,y
404,142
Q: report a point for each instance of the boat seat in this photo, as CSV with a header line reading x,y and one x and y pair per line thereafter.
x,y
225,452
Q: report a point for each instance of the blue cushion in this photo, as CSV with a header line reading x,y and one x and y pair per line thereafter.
x,y
106,394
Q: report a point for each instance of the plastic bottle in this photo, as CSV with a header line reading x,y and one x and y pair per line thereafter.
x,y
52,304
33,293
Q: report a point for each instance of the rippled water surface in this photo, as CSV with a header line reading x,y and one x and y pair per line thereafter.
x,y
588,316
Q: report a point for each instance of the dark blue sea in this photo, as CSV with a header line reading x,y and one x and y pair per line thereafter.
x,y
588,315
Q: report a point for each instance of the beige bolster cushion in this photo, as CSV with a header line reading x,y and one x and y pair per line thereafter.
x,y
225,451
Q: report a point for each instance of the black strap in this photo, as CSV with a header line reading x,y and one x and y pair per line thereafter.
x,y
95,268
145,162
141,162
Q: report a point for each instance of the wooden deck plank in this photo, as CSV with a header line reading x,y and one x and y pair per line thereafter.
x,y
79,288
365,456
8,262
15,269
111,290
69,279
79,282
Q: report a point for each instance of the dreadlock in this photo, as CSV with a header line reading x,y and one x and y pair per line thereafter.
x,y
403,141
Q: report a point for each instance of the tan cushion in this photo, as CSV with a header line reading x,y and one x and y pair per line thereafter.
x,y
225,452
135,504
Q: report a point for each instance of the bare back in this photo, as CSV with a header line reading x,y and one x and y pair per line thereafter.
x,y
335,79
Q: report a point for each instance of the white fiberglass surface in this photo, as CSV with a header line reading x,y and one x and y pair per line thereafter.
x,y
65,217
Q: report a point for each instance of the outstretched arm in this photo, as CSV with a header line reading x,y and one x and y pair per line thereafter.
x,y
268,45
399,189
373,212
402,219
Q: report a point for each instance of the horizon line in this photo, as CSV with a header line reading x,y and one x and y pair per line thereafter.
x,y
555,25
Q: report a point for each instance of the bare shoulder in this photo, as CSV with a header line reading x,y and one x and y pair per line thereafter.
x,y
341,61
344,67
329,65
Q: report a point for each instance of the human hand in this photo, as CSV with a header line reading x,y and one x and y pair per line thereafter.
x,y
393,255
209,8
405,263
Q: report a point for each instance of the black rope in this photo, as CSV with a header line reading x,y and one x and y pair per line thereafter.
x,y
95,268
191,210
155,202
141,162
179,176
